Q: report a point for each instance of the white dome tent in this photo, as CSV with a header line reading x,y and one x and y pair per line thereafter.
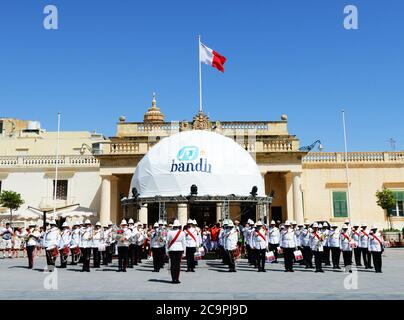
x,y
220,168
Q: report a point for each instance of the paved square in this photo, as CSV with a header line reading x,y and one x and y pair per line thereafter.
x,y
211,281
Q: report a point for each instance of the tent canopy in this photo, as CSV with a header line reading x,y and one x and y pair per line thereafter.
x,y
217,165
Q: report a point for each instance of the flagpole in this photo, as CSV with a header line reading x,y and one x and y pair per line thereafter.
x,y
57,168
200,75
346,164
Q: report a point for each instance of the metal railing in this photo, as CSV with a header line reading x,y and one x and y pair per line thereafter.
x,y
354,157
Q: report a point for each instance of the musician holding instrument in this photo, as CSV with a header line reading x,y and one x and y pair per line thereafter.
x,y
175,246
230,245
51,243
86,243
31,240
192,243
316,242
75,243
110,242
333,243
122,237
64,245
346,247
98,244
288,245
260,242
157,243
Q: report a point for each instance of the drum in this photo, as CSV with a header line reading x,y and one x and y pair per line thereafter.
x,y
102,248
66,251
270,257
353,245
298,255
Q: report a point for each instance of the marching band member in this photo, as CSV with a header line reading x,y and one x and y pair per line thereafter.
x,y
260,240
334,245
131,248
230,245
298,232
176,245
376,247
247,235
273,239
327,250
288,245
86,243
345,246
51,242
98,236
123,237
75,243
18,241
82,229
355,236
305,243
31,240
164,230
64,245
7,242
316,244
191,243
220,241
364,247
157,244
111,242
138,238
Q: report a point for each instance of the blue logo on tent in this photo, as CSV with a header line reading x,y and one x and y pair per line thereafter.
x,y
189,153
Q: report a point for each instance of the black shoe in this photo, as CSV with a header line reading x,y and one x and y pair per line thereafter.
x,y
264,270
124,270
192,270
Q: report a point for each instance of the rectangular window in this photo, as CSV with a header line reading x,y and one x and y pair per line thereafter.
x,y
1,127
340,204
61,191
398,210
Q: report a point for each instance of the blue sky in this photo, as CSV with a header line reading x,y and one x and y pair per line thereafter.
x,y
291,57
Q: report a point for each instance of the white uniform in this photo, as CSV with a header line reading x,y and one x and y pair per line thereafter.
x,y
345,241
180,242
260,239
273,235
191,238
98,237
65,239
75,238
288,238
52,238
333,239
298,233
32,237
230,239
376,242
355,236
316,241
156,239
86,240
305,237
364,239
6,241
18,236
220,239
123,239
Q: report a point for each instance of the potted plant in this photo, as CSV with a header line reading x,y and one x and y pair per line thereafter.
x,y
11,200
387,201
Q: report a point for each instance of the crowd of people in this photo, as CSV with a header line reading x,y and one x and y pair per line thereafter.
x,y
260,244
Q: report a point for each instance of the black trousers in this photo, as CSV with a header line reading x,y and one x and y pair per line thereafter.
x,y
357,255
190,254
131,253
367,258
105,254
30,254
86,255
63,259
274,248
254,256
318,260
175,261
289,256
336,256
111,252
81,260
158,258
347,256
261,259
122,258
230,260
96,258
307,256
377,261
326,256
248,250
224,255
50,260
138,254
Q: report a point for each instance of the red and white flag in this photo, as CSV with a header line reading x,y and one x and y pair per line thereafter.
x,y
211,57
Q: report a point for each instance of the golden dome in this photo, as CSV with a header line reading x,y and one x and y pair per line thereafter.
x,y
154,115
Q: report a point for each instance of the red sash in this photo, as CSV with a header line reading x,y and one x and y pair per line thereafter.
x,y
346,237
317,236
190,234
377,239
175,239
356,233
260,234
365,233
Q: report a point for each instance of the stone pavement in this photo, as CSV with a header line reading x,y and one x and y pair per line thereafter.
x,y
211,281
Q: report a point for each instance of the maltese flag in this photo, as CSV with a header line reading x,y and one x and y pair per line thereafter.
x,y
211,57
